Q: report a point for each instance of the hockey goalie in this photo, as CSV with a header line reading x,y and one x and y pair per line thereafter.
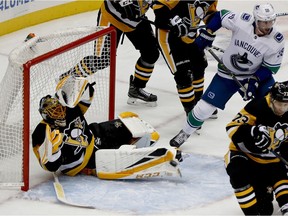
x,y
122,148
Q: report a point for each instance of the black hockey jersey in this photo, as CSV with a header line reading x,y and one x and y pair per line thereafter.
x,y
259,112
192,12
73,145
112,13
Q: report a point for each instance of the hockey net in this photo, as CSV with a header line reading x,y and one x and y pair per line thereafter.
x,y
32,73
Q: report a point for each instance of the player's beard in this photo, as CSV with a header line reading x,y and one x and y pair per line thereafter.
x,y
263,28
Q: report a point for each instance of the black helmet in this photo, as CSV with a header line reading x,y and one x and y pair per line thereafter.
x,y
279,91
52,111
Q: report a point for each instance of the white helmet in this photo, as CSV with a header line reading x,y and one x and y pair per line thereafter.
x,y
264,12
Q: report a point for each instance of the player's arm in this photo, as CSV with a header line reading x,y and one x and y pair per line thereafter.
x,y
246,135
47,146
213,21
239,128
87,97
269,67
162,15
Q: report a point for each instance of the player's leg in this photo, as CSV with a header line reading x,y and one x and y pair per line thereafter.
x,y
279,180
238,167
129,162
143,40
128,129
216,96
199,64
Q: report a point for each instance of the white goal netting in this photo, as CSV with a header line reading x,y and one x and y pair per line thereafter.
x,y
47,58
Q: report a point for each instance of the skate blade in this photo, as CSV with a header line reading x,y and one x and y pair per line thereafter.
x,y
136,101
213,117
198,131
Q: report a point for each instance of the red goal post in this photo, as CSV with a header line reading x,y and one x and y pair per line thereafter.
x,y
32,73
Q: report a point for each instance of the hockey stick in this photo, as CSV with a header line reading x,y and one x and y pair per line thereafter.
x,y
282,14
61,194
218,49
279,156
229,71
153,23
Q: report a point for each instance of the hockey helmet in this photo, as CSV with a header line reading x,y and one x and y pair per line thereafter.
x,y
52,111
279,91
264,12
265,17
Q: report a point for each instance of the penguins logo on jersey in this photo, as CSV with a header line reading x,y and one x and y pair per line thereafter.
x,y
200,8
74,135
240,61
278,134
197,12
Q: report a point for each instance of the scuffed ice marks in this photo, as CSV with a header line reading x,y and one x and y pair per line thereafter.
x,y
204,180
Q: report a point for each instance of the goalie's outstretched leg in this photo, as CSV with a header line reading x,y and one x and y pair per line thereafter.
x,y
128,162
136,93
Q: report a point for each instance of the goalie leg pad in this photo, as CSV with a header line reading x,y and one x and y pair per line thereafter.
x,y
128,162
138,127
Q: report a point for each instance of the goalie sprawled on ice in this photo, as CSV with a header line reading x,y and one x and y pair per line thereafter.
x,y
119,149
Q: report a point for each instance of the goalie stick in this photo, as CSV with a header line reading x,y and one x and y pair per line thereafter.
x,y
60,194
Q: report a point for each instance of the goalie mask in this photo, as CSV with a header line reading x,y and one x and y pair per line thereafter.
x,y
52,111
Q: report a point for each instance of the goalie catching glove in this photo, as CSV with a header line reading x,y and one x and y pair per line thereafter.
x,y
71,90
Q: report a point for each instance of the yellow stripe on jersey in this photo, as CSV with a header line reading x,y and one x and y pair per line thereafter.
x,y
87,156
165,49
169,4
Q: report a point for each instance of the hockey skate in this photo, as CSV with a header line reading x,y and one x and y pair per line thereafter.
x,y
214,115
179,139
135,94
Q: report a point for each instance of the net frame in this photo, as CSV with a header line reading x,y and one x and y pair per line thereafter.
x,y
26,90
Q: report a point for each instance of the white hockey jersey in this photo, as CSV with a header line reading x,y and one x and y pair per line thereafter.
x,y
247,51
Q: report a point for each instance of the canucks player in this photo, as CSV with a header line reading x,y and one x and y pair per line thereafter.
x,y
254,54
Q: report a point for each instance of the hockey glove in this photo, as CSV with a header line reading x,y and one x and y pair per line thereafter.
x,y
204,39
178,27
261,137
251,85
130,10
